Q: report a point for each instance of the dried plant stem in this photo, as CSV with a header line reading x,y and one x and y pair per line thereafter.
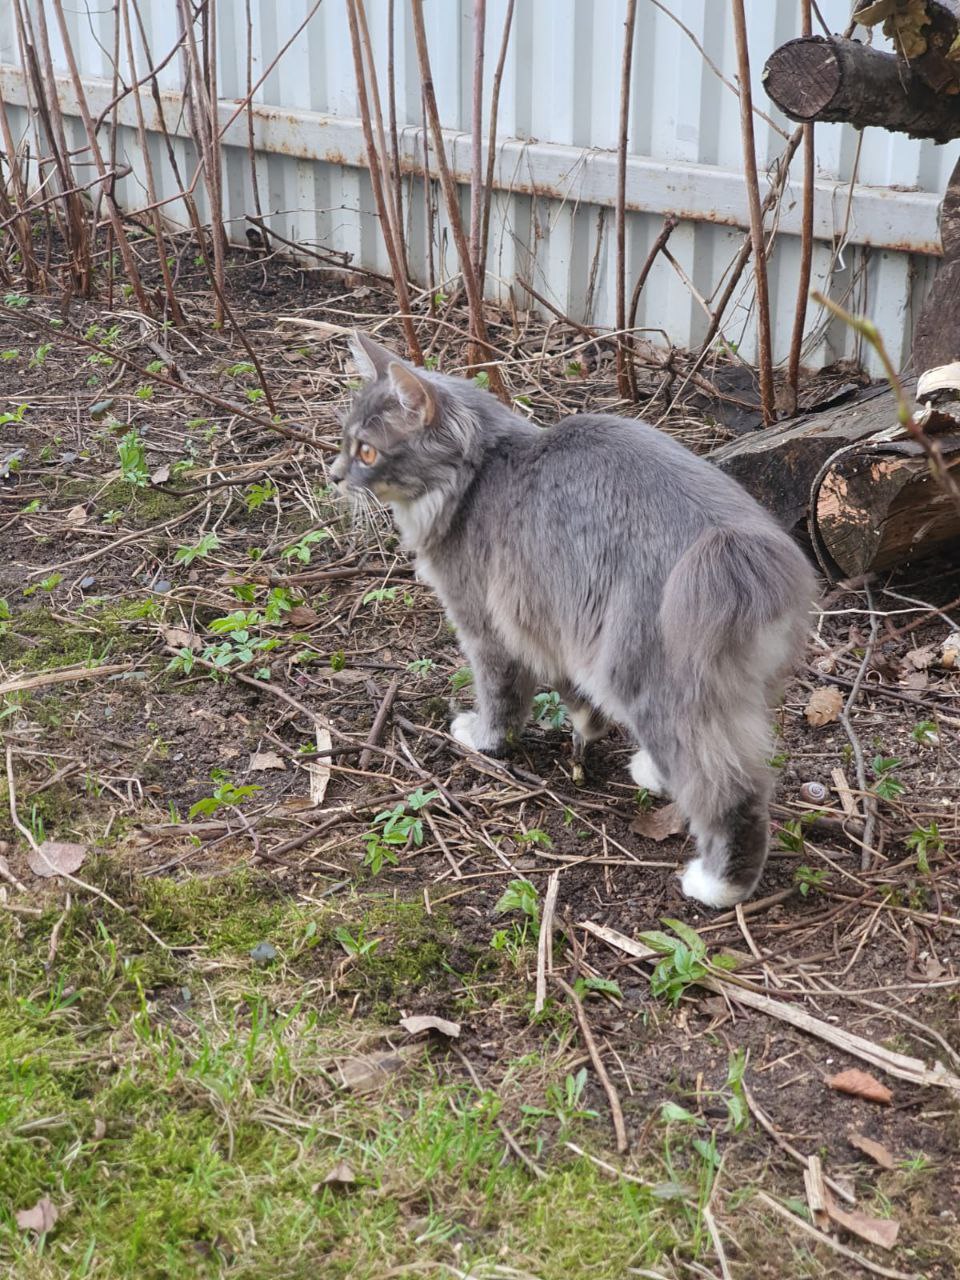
x,y
806,242
494,111
395,173
666,231
476,139
251,149
203,124
623,372
478,328
123,244
375,165
613,1097
765,357
176,314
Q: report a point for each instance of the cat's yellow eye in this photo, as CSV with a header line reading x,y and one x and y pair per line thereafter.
x,y
367,454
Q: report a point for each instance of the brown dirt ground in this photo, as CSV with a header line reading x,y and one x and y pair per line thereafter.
x,y
875,952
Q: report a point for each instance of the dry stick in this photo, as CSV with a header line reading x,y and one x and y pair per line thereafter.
x,y
393,208
20,223
65,875
666,231
914,1070
201,113
806,243
63,675
861,1261
492,135
251,150
379,723
756,216
73,221
396,174
155,219
476,142
545,941
613,1097
510,1140
869,802
478,328
383,205
113,213
766,1123
623,377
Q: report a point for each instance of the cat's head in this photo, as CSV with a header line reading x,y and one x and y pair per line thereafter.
x,y
408,435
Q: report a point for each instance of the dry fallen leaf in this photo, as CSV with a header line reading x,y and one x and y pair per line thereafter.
x,y
374,1069
180,638
263,760
915,681
99,1129
41,1218
77,514
341,1175
875,1150
824,705
161,475
426,1022
56,858
950,654
301,615
879,1231
861,1084
921,658
657,824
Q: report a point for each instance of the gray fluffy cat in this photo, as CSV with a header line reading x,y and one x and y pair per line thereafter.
x,y
605,560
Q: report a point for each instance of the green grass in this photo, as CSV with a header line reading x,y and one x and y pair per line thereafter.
x,y
181,1108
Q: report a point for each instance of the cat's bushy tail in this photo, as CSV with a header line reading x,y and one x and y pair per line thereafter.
x,y
732,622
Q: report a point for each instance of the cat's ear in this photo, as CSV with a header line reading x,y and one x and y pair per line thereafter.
x,y
372,360
414,393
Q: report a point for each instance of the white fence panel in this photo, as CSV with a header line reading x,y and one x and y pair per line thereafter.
x,y
552,222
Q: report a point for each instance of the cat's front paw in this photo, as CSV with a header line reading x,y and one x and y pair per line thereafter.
x,y
467,730
705,886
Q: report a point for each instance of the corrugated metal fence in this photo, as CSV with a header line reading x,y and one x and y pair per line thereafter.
x,y
552,223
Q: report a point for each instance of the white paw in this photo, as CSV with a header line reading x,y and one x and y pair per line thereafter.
x,y
699,883
464,728
645,773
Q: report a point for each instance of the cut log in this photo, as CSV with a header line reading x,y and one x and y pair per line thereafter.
x,y
853,483
876,506
818,79
779,465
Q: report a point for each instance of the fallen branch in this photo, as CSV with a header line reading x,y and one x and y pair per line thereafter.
x,y
913,1070
610,1089
65,675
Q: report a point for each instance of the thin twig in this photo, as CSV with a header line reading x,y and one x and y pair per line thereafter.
x,y
806,241
610,1089
765,356
629,26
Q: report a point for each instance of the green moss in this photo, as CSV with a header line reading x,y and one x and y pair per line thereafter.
x,y
35,640
141,506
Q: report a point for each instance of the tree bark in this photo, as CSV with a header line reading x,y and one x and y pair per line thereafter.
x,y
816,79
936,335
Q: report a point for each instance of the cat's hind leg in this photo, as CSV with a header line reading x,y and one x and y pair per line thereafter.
x,y
732,848
588,725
